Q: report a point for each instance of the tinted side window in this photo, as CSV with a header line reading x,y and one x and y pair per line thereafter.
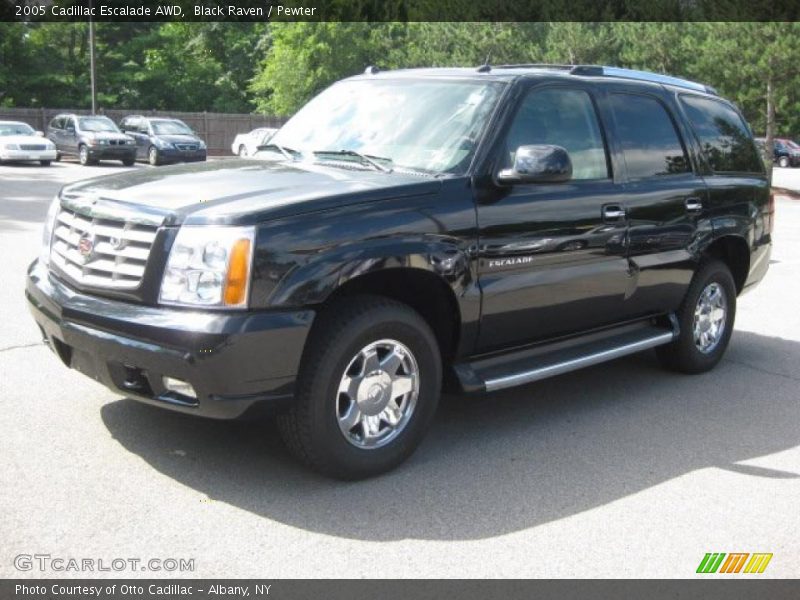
x,y
650,143
723,135
565,118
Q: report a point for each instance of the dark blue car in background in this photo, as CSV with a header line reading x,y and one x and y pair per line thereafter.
x,y
161,140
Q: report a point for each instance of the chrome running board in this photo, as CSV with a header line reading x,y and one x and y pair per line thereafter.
x,y
525,366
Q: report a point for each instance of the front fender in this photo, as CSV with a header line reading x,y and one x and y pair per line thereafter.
x,y
312,282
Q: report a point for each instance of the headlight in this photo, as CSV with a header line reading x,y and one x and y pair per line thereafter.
x,y
50,146
11,146
102,142
209,266
202,145
47,230
162,144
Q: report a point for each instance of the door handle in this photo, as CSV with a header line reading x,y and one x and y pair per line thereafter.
x,y
694,204
613,212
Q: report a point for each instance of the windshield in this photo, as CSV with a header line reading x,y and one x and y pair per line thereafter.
x,y
794,145
96,124
15,129
422,125
170,128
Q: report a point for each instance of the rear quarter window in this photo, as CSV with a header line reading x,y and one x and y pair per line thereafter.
x,y
724,137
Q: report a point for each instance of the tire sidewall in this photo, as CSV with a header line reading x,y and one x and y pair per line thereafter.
x,y
340,454
83,155
715,272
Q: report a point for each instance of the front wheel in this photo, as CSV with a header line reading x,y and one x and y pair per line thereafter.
x,y
783,161
44,163
83,156
705,319
243,151
367,389
128,162
152,156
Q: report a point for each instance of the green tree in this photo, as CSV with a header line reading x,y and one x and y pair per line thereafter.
x,y
755,65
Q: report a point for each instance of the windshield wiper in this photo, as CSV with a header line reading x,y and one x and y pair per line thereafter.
x,y
365,158
289,153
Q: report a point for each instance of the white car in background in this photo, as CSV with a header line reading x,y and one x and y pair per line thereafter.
x,y
19,142
246,144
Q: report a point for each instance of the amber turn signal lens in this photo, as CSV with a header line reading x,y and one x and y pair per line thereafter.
x,y
238,274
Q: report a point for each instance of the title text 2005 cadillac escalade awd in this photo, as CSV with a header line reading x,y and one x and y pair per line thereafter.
x,y
484,228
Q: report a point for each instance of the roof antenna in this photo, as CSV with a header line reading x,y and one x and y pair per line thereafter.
x,y
485,67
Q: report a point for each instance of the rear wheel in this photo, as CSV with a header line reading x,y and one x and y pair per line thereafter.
x,y
128,162
243,151
367,389
706,321
44,163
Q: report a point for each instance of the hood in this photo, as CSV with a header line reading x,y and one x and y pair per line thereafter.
x,y
236,191
106,135
180,138
24,139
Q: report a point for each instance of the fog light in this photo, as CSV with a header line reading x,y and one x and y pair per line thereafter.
x,y
179,387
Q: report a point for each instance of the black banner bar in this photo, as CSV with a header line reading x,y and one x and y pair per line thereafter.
x,y
397,10
343,589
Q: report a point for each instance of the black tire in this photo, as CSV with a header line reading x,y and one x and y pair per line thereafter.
x,y
683,354
242,151
783,161
311,427
129,162
58,157
83,156
152,156
44,163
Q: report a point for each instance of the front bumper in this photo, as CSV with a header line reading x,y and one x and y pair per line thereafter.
x,y
101,152
176,155
10,155
237,362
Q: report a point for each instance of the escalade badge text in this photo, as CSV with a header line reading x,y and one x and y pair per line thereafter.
x,y
510,262
86,246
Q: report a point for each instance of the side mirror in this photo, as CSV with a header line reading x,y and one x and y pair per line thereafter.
x,y
40,133
538,164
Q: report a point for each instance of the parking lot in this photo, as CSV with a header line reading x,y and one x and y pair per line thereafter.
x,y
619,470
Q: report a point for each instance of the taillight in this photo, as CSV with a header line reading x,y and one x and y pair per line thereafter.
x,y
769,219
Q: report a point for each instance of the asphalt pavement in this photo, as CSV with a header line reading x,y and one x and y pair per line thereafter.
x,y
619,470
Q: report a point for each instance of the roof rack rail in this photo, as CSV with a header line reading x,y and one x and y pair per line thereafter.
x,y
535,66
601,71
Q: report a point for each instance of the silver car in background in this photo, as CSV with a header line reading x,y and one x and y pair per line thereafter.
x,y
246,144
20,142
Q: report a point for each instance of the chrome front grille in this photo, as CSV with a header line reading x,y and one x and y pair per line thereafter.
x,y
101,252
32,147
186,146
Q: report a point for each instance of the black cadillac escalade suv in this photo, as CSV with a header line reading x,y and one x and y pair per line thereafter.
x,y
480,228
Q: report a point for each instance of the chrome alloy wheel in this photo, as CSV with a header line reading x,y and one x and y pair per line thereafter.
x,y
377,394
709,318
